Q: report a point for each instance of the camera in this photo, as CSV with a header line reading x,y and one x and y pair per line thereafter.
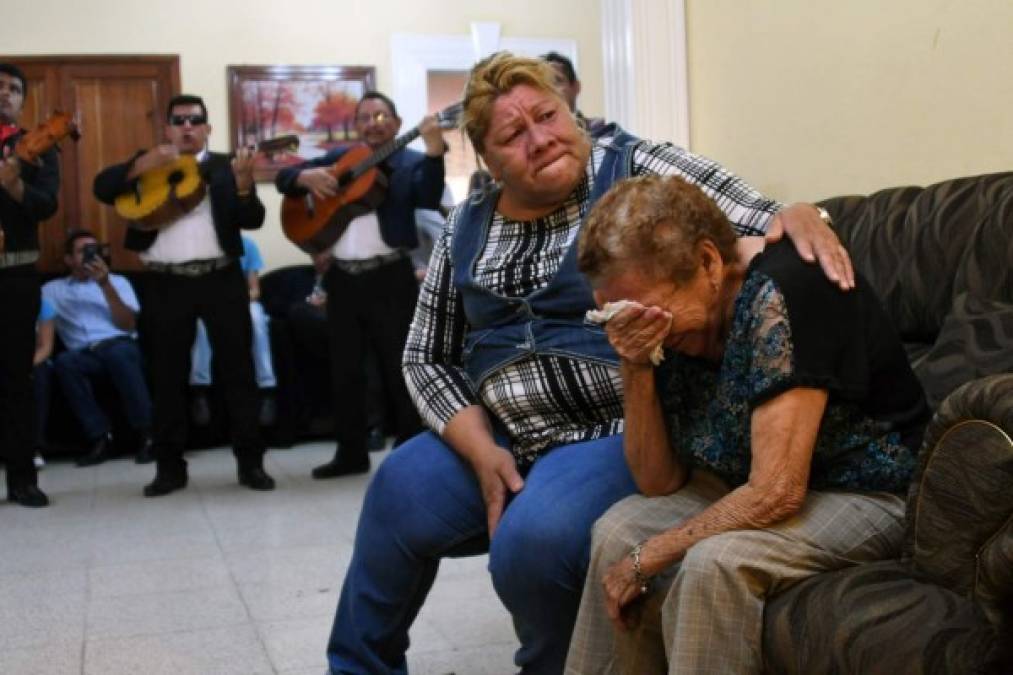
x,y
89,252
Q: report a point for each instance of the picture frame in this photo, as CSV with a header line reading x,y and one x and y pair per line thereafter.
x,y
314,103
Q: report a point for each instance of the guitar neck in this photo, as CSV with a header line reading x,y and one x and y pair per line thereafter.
x,y
385,151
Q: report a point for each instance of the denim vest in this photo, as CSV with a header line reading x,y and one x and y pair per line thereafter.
x,y
549,321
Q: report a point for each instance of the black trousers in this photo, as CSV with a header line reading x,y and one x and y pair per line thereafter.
x,y
172,305
377,306
19,307
312,344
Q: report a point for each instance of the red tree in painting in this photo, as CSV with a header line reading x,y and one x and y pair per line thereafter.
x,y
266,107
335,110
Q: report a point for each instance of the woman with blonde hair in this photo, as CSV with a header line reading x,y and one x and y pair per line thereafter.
x,y
523,398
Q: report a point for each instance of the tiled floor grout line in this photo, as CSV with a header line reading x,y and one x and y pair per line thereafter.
x,y
235,582
114,545
89,565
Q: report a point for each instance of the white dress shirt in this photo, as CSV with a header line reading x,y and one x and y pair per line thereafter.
x,y
191,237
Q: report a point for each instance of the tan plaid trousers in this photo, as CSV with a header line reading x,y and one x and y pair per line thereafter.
x,y
705,614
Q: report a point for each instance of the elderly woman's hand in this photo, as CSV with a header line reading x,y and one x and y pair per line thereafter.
x,y
621,591
636,331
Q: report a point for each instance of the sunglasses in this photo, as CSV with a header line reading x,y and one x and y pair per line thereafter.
x,y
377,117
180,120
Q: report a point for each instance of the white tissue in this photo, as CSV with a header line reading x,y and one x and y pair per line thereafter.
x,y
609,310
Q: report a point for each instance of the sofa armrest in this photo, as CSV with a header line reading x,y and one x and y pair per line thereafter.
x,y
960,501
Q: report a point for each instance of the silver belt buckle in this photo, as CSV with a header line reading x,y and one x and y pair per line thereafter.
x,y
16,258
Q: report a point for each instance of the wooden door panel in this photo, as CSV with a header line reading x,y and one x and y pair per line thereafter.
x,y
42,97
121,117
120,102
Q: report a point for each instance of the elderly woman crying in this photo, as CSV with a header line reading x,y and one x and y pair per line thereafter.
x,y
773,442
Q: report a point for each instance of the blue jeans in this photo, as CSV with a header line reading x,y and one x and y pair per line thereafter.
x,y
425,504
42,381
120,359
200,356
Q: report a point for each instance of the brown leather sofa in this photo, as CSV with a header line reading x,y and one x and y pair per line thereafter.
x,y
941,258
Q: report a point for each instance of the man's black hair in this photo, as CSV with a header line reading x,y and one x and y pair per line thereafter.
x,y
186,99
73,236
379,97
567,64
14,71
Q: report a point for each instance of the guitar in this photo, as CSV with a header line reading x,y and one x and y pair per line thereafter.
x,y
163,194
314,225
34,143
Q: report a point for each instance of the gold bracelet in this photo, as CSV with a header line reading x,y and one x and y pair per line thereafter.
x,y
638,573
243,193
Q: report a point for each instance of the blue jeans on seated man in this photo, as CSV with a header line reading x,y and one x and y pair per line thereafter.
x,y
120,359
200,357
425,504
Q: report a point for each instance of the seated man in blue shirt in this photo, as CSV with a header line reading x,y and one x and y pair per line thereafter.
x,y
200,359
96,316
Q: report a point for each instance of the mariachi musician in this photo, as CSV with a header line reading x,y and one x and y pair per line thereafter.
x,y
194,273
28,195
371,284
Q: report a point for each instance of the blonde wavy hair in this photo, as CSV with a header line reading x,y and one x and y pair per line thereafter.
x,y
494,76
652,223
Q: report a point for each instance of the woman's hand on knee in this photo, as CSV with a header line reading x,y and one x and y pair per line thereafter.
x,y
497,473
622,591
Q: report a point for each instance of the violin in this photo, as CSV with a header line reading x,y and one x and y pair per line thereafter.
x,y
30,147
50,132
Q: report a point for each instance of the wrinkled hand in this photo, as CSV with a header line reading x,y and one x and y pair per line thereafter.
x,y
319,181
432,135
621,591
160,155
10,170
636,331
815,241
496,471
242,169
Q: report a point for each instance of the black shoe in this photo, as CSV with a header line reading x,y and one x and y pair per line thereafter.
x,y
100,452
145,453
268,410
200,407
375,440
28,495
341,467
163,485
256,479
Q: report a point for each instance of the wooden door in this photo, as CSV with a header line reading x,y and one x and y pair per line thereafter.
x,y
120,102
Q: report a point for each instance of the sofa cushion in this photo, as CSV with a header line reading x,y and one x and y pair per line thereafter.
x,y
960,497
919,247
993,584
874,618
976,340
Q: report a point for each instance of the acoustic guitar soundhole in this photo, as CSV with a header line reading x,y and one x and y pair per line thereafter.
x,y
176,177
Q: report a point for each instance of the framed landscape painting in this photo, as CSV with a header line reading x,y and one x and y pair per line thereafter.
x,y
314,104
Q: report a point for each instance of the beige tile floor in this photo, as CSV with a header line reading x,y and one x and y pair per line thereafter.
x,y
215,579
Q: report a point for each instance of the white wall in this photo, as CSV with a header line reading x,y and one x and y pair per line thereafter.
x,y
804,98
210,34
814,98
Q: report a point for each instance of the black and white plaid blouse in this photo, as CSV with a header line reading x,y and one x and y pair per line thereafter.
x,y
543,401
